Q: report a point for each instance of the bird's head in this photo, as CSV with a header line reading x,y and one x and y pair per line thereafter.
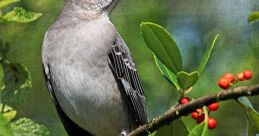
x,y
94,5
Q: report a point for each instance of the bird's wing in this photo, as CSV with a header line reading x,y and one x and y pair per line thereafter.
x,y
126,75
71,128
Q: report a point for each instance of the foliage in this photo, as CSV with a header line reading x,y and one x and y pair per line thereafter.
x,y
176,128
168,74
4,3
8,112
168,59
253,17
15,81
18,14
168,56
26,127
252,116
5,129
165,47
200,130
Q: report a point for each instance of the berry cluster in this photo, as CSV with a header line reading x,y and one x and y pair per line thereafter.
x,y
229,79
199,114
226,81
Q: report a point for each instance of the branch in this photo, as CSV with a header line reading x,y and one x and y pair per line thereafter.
x,y
174,113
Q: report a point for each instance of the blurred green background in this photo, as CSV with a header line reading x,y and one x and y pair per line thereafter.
x,y
192,22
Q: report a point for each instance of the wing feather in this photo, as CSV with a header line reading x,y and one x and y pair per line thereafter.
x,y
125,72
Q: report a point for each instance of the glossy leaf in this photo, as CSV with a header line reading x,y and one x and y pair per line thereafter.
x,y
167,73
20,15
254,16
187,80
245,101
207,54
5,129
8,112
4,3
252,116
26,127
176,128
200,130
17,83
162,45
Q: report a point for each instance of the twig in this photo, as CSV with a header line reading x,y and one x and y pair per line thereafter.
x,y
174,113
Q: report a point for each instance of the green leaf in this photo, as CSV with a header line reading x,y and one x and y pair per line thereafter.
x,y
200,130
4,50
163,45
152,134
26,127
207,54
20,15
253,122
8,112
17,83
245,102
187,80
4,3
252,116
5,129
176,128
168,74
254,16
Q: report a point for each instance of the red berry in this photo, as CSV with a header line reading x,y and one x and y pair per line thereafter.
x,y
213,106
230,77
212,123
195,115
240,76
199,110
224,83
200,118
184,100
248,74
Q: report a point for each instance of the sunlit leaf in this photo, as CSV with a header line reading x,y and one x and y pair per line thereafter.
x,y
17,83
163,45
187,80
254,16
207,54
4,3
26,127
176,128
252,116
5,129
152,134
20,15
167,73
8,112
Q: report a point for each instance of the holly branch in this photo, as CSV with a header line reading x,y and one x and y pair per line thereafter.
x,y
174,113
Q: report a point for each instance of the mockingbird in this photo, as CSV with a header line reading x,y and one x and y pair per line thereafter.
x,y
90,73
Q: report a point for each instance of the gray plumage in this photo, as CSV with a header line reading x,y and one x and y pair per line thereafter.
x,y
90,73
